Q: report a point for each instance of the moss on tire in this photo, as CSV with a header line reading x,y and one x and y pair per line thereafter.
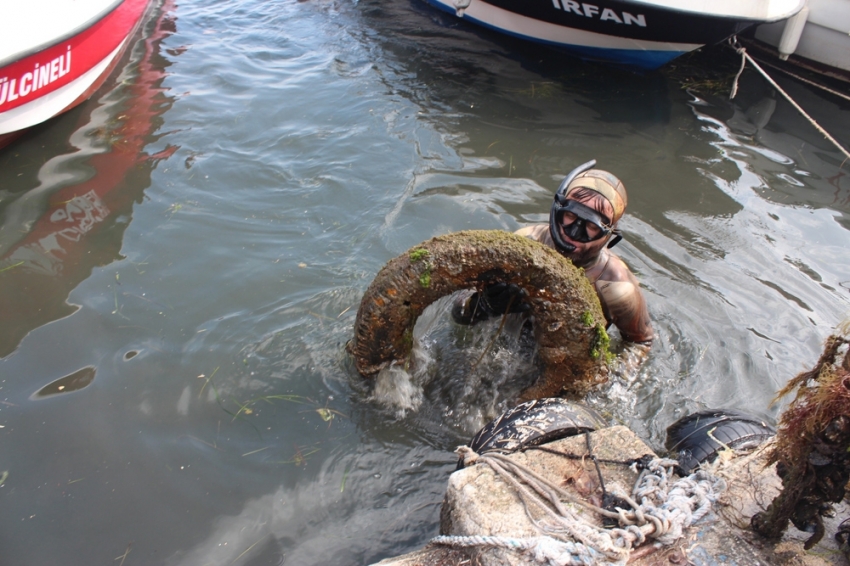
x,y
567,314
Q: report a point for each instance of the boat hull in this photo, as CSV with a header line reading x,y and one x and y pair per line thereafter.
x,y
42,84
820,41
627,33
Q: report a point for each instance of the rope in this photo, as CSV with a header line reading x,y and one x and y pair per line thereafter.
x,y
543,549
627,463
807,81
746,57
661,508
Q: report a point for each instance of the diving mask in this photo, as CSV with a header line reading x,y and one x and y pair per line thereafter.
x,y
581,223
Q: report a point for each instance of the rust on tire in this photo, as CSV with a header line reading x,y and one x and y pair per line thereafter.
x,y
568,322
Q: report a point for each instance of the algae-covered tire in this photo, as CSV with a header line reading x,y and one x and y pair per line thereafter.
x,y
699,438
534,423
568,322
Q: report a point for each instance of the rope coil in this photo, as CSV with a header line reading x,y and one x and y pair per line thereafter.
x,y
661,508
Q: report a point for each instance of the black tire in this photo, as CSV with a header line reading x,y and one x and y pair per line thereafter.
x,y
699,438
535,422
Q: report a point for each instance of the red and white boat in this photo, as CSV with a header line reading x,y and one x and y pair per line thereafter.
x,y
55,53
58,231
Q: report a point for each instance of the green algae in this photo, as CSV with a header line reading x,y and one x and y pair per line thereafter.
x,y
419,254
599,345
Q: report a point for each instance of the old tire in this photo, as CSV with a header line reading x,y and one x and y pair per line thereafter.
x,y
534,423
568,322
699,438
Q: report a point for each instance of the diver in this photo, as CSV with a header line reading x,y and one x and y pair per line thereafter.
x,y
582,227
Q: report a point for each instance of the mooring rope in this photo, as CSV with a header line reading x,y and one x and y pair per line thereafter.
x,y
746,57
802,79
661,508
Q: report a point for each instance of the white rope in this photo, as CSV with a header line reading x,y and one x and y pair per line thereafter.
x,y
543,549
746,57
807,81
662,507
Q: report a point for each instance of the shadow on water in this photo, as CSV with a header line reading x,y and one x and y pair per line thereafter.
x,y
463,65
820,178
61,219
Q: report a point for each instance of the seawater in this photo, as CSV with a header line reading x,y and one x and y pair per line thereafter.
x,y
182,258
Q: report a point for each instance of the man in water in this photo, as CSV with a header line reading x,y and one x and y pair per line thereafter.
x,y
582,227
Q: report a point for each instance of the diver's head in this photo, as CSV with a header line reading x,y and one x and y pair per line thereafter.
x,y
584,215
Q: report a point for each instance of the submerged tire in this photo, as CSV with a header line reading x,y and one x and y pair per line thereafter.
x,y
699,438
568,322
536,422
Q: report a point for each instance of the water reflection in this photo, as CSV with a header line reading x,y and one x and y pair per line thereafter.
x,y
73,382
796,155
56,228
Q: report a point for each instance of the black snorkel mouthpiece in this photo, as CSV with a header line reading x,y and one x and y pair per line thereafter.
x,y
561,201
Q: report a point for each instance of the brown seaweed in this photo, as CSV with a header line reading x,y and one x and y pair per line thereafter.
x,y
812,443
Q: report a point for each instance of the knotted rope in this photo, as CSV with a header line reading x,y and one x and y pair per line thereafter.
x,y
661,507
746,57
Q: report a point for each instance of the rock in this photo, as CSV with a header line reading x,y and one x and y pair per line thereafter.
x,y
430,556
479,503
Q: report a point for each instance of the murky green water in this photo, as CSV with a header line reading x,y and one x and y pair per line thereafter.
x,y
181,261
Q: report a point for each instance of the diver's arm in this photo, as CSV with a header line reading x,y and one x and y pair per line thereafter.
x,y
624,304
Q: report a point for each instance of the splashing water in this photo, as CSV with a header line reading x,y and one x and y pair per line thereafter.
x,y
397,389
464,375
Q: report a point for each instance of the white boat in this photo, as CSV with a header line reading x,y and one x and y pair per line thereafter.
x,y
642,34
817,37
55,53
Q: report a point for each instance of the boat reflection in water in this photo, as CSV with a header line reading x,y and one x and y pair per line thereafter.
x,y
47,232
784,136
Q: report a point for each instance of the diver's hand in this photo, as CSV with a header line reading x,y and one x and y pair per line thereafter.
x,y
629,361
504,298
471,307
